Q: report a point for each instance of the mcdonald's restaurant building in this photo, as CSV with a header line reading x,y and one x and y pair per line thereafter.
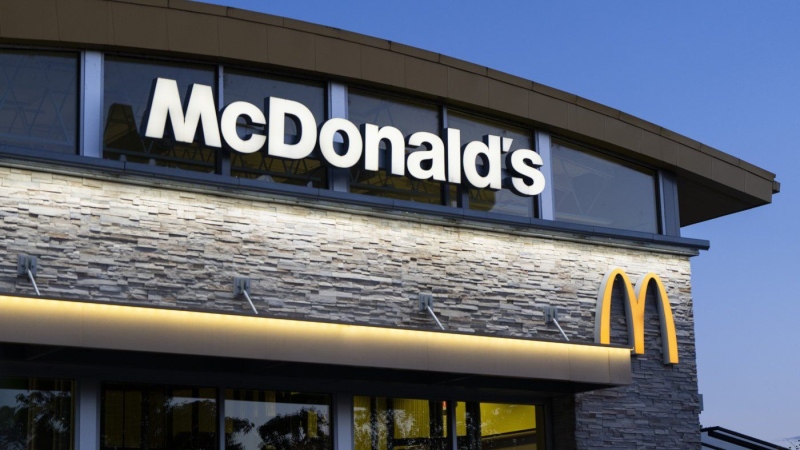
x,y
229,230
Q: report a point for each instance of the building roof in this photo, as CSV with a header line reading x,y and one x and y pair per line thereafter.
x,y
711,183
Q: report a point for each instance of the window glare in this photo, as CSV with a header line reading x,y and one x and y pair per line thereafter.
x,y
599,191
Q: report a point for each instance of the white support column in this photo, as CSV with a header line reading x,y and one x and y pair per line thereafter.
x,y
337,108
343,421
91,117
546,200
87,420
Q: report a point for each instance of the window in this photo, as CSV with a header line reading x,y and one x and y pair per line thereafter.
x,y
594,189
154,417
497,426
408,117
39,100
36,414
256,89
126,98
383,423
503,201
256,420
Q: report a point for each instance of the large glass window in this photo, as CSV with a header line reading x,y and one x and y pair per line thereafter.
x,y
126,99
39,100
503,201
257,420
382,423
36,414
497,426
155,417
408,118
256,89
598,190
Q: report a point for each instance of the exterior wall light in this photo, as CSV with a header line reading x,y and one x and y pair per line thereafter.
x,y
551,315
426,304
241,286
26,268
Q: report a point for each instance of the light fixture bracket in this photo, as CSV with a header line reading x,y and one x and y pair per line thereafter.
x,y
241,286
551,316
425,302
25,264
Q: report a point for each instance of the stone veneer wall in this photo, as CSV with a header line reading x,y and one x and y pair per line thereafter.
x,y
110,241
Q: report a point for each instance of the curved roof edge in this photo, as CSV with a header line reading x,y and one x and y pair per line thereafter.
x,y
711,183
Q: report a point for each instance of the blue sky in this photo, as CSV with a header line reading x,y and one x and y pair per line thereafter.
x,y
724,72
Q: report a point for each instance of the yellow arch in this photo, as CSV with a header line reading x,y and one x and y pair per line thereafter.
x,y
634,312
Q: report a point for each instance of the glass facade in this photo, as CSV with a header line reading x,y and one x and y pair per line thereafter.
x,y
383,423
593,189
503,201
256,420
155,417
36,414
408,117
126,97
39,100
39,93
256,89
497,426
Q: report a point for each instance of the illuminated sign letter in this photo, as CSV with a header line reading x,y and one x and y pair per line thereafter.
x,y
634,299
167,102
228,126
489,153
353,142
279,109
396,146
525,164
432,158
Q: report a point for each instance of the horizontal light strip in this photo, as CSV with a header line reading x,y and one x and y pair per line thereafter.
x,y
116,327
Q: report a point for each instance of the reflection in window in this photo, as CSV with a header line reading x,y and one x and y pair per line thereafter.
x,y
38,100
35,414
242,86
497,426
408,118
126,98
382,423
156,417
596,190
503,201
256,420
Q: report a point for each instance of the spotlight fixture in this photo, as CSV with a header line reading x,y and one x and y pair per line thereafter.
x,y
241,286
426,304
26,268
551,315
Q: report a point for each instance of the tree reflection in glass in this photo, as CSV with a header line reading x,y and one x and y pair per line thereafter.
x,y
155,417
35,414
262,420
382,423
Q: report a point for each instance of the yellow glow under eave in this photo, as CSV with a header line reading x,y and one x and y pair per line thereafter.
x,y
116,327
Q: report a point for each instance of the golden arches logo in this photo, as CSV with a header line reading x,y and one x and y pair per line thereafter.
x,y
635,298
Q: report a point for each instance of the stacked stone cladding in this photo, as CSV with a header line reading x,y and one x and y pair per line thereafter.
x,y
105,240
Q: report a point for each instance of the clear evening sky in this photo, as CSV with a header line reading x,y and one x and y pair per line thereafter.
x,y
723,72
